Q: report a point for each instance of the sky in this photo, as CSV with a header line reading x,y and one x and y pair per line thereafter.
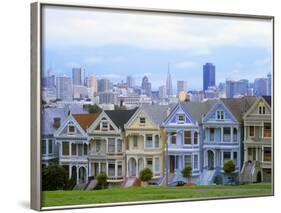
x,y
114,45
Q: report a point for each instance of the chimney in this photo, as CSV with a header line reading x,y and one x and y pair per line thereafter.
x,y
56,123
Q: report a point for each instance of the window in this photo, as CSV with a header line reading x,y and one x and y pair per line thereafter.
x,y
98,145
181,118
261,110
195,161
156,141
73,149
235,134
187,160
267,130
220,115
148,141
65,148
44,147
119,145
71,129
267,154
111,145
226,134
104,125
174,138
187,137
157,165
149,163
103,167
235,157
195,138
212,134
135,141
85,149
119,169
252,131
142,120
226,157
50,146
111,169
80,149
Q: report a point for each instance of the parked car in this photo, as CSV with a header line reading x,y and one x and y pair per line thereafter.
x,y
177,183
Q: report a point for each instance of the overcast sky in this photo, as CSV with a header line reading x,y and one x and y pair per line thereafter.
x,y
114,45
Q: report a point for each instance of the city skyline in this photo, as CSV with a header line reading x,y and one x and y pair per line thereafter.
x,y
81,42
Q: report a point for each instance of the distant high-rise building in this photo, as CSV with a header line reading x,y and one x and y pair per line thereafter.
x,y
236,88
77,76
162,92
108,98
169,86
269,84
260,86
92,85
181,86
104,85
64,88
146,86
209,76
130,81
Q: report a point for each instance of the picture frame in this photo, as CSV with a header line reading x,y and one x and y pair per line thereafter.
x,y
207,159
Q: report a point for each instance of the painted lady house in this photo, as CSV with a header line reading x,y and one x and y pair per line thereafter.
x,y
72,140
222,127
183,141
144,143
258,142
107,146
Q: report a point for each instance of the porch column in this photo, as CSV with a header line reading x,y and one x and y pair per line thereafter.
x,y
231,134
77,174
262,154
137,167
245,154
257,154
69,170
221,134
106,168
115,169
175,162
99,168
221,159
115,148
127,169
90,168
69,147
245,133
60,150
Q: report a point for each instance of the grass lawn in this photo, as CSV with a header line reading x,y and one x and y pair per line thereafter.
x,y
59,198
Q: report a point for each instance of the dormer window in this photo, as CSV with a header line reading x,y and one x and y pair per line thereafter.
x,y
220,115
261,110
142,120
104,125
181,118
71,129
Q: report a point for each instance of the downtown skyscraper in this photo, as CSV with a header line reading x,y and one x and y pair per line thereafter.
x,y
169,86
77,76
209,76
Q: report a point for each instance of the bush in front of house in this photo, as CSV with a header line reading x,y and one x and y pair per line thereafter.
x,y
146,175
186,171
229,168
54,177
102,181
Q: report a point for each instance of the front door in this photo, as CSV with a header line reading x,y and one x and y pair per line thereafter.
x,y
172,164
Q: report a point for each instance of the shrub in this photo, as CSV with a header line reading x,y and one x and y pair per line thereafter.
x,y
186,172
146,175
54,177
102,181
229,167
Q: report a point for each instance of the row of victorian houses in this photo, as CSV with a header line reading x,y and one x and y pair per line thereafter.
x,y
165,139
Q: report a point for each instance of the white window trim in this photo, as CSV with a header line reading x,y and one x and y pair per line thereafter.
x,y
101,125
180,121
154,163
146,140
218,115
194,162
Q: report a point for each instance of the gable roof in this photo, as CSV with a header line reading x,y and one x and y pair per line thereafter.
x,y
267,99
120,117
158,113
198,109
85,120
48,115
239,106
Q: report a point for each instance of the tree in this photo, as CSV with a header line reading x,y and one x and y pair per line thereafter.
x,y
102,181
229,168
92,108
54,177
146,175
186,172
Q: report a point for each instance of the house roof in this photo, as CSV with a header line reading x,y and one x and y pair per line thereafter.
x,y
158,113
48,115
121,116
239,106
198,109
267,99
85,120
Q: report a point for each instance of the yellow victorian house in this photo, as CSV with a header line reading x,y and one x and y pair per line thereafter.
x,y
145,140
